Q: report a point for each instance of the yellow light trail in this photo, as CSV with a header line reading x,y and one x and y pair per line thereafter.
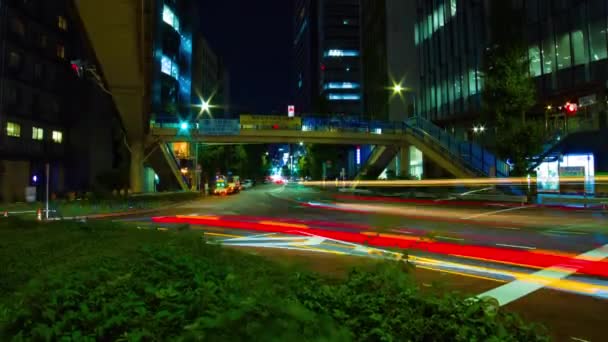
x,y
447,182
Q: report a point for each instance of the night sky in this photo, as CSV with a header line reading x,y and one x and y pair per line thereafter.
x,y
254,38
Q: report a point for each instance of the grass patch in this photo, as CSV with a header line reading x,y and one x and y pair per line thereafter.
x,y
92,206
105,281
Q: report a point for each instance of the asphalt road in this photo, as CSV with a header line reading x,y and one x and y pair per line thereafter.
x,y
571,302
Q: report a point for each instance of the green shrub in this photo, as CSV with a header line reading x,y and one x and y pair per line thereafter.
x,y
132,284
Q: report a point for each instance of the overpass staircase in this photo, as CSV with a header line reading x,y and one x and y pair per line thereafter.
x,y
380,157
462,159
173,165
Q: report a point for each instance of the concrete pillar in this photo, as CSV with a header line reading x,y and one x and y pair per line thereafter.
x,y
404,161
136,175
195,172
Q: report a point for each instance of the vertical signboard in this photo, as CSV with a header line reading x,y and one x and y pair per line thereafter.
x,y
291,111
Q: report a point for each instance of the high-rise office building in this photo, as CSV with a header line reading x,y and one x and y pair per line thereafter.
x,y
389,59
328,57
173,93
567,44
210,77
48,114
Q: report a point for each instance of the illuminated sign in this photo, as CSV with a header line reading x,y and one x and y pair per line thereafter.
x,y
291,111
358,155
341,53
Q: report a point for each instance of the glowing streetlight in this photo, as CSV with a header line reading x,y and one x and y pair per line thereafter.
x,y
301,143
205,106
482,128
397,88
184,126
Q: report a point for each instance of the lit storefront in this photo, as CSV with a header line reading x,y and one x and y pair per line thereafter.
x,y
573,165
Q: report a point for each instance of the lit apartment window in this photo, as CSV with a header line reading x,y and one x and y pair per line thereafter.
x,y
170,18
60,51
37,133
169,67
62,23
57,137
13,129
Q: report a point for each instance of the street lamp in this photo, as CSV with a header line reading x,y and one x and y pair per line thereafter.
x,y
397,89
184,126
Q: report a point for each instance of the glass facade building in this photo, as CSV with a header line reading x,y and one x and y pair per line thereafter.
x,y
450,37
172,87
328,57
567,50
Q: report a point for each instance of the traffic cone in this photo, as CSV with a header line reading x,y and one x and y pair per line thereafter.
x,y
39,214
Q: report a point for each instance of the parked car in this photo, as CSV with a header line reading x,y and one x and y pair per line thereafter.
x,y
247,184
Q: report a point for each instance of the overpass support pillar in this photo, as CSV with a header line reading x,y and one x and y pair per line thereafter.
x,y
403,169
136,174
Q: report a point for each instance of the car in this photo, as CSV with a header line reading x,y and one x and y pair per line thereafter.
x,y
247,184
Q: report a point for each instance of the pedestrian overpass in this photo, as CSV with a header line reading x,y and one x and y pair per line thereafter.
x,y
459,159
120,33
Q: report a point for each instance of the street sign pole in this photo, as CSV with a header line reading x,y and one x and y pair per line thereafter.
x,y
48,172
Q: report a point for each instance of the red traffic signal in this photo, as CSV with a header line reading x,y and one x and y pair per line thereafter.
x,y
571,108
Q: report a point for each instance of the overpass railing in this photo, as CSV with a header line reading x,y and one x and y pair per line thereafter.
x,y
232,126
475,156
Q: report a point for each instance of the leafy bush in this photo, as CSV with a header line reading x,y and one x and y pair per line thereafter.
x,y
144,285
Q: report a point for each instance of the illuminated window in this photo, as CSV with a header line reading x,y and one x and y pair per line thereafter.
x,y
60,51
344,97
62,23
597,35
453,7
534,57
564,59
37,133
341,53
579,46
169,67
57,137
170,18
341,85
13,129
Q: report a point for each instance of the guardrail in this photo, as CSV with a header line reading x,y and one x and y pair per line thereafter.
x,y
472,154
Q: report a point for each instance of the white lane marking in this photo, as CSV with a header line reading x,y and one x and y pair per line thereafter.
x,y
402,231
514,290
514,246
578,339
495,212
449,238
565,232
475,191
511,228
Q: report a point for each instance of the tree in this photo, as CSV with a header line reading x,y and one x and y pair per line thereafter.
x,y
509,91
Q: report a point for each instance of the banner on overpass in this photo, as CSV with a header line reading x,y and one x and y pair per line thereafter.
x,y
270,121
219,127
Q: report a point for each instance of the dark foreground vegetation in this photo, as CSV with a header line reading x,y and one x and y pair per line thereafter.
x,y
104,281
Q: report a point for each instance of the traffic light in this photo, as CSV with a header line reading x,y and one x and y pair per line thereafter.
x,y
78,67
571,108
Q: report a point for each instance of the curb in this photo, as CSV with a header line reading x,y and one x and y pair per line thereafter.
x,y
117,214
